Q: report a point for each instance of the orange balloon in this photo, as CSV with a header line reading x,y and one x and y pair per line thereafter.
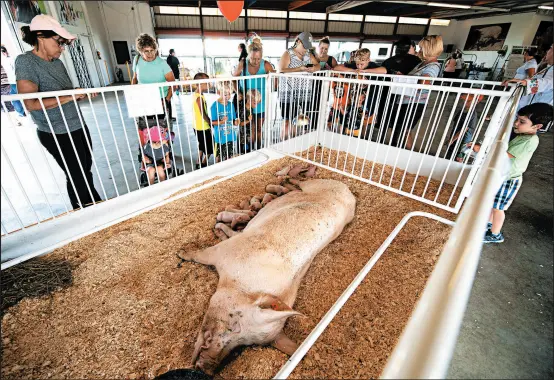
x,y
230,9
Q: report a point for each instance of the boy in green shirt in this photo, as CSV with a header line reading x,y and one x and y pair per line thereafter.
x,y
529,120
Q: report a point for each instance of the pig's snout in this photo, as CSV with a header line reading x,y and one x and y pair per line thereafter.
x,y
206,365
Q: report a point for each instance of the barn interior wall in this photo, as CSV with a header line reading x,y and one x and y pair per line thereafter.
x,y
124,21
522,31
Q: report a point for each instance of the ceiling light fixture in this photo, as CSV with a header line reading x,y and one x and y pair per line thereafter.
x,y
546,7
459,6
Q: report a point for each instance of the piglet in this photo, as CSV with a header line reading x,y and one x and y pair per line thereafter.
x,y
296,170
234,210
225,230
233,217
276,189
310,172
283,172
268,197
245,204
255,204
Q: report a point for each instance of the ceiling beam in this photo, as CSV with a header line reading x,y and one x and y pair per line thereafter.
x,y
483,2
475,7
345,5
420,11
297,4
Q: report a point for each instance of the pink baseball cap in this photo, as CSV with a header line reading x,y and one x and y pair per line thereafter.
x,y
156,134
45,22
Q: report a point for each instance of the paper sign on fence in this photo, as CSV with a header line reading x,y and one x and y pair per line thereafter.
x,y
143,102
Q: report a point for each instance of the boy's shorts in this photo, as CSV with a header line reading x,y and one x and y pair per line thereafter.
x,y
205,142
506,194
224,151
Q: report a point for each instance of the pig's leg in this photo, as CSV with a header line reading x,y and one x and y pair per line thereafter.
x,y
206,256
220,234
284,344
226,229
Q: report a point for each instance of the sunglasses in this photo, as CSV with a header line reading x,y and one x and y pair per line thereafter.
x,y
62,42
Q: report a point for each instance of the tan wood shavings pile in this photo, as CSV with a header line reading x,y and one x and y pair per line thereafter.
x,y
132,313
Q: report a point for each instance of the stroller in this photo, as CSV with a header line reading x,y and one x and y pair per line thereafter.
x,y
144,126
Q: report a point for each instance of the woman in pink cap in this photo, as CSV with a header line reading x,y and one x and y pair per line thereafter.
x,y
57,118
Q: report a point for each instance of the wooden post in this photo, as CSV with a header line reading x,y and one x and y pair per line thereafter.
x,y
107,72
128,71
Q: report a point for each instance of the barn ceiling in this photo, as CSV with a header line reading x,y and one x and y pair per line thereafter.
x,y
406,8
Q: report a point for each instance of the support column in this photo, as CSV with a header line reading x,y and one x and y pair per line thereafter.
x,y
202,36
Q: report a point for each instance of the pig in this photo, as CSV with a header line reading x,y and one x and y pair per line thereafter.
x,y
233,217
276,189
260,269
268,197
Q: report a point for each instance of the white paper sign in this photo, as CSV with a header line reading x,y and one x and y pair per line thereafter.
x,y
143,101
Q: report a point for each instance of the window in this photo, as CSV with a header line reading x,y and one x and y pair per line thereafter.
x,y
379,51
179,10
169,10
438,22
222,47
307,15
267,14
341,49
215,12
183,46
413,20
345,17
274,48
383,19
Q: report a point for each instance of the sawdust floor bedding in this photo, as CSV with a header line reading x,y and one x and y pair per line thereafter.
x,y
133,313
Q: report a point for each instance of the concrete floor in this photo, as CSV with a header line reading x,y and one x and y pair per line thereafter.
x,y
507,330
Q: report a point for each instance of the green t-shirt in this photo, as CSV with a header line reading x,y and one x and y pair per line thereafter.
x,y
522,148
151,72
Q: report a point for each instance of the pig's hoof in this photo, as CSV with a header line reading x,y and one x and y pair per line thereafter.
x,y
181,260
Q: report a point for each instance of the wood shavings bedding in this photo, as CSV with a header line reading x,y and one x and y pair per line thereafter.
x,y
133,313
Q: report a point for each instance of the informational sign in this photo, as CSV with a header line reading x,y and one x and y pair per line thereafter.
x,y
143,102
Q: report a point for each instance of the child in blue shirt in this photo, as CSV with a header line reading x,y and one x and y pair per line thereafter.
x,y
224,123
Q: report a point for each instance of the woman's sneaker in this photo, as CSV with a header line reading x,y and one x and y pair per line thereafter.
x,y
493,238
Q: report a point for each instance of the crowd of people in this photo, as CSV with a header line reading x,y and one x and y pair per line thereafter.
x,y
232,125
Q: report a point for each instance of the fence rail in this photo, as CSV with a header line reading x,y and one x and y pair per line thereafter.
x,y
358,125
408,138
108,159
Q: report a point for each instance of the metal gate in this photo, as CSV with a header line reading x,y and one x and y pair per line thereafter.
x,y
76,50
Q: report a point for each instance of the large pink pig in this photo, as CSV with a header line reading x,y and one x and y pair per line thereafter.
x,y
260,269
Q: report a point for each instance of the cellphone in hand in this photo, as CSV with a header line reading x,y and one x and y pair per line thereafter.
x,y
309,65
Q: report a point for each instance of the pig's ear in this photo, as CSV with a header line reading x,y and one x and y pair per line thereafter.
x,y
273,308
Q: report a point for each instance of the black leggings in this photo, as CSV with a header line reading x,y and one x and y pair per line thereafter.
x,y
409,113
73,169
